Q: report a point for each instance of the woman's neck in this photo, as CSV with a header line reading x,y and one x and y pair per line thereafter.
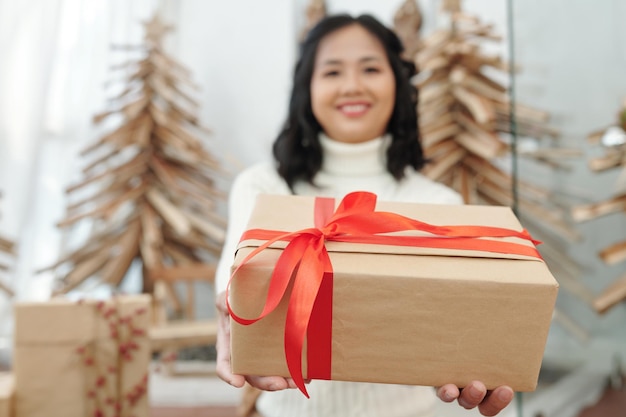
x,y
354,159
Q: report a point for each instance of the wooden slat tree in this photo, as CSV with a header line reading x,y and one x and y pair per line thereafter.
x,y
315,11
613,141
463,113
151,189
7,254
407,24
465,121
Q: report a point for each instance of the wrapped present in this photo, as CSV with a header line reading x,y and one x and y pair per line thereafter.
x,y
7,393
389,292
86,358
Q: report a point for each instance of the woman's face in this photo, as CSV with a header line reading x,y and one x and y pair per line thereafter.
x,y
353,88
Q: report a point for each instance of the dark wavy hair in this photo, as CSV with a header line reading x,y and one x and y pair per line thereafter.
x,y
297,149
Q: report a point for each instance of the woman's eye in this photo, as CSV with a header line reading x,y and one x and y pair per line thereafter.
x,y
372,70
331,73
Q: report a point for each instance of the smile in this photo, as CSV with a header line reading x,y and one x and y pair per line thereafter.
x,y
354,109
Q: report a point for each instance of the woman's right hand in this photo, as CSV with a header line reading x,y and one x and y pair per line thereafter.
x,y
223,368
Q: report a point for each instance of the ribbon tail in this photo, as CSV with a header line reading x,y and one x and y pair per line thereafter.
x,y
305,288
281,276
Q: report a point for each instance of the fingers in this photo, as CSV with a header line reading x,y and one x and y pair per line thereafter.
x,y
496,401
222,365
220,303
269,383
472,395
448,393
469,397
489,403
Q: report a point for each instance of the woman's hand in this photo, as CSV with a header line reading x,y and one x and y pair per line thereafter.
x,y
489,403
223,369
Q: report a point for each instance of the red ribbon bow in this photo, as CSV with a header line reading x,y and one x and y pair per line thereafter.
x,y
305,260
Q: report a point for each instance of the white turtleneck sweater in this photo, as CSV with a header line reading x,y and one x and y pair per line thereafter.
x,y
345,168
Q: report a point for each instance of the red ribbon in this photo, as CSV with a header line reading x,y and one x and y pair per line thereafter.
x,y
305,260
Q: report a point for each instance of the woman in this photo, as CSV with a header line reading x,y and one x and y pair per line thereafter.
x,y
352,125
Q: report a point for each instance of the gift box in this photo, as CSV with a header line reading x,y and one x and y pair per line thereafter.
x,y
85,358
389,292
7,391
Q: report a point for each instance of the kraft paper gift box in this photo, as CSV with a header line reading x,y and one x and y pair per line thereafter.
x,y
7,391
86,358
431,310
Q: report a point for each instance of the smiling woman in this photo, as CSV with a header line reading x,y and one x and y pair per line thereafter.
x,y
351,126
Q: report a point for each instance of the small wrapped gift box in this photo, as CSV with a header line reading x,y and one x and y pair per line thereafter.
x,y
86,358
7,393
389,292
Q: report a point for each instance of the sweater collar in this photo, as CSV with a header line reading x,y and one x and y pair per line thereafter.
x,y
365,158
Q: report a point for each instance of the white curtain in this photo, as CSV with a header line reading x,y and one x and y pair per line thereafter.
x,y
55,57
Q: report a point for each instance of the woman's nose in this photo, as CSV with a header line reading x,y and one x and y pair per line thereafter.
x,y
353,83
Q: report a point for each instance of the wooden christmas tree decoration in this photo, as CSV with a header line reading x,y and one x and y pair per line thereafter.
x,y
462,113
451,6
465,115
315,11
407,23
150,189
613,140
7,253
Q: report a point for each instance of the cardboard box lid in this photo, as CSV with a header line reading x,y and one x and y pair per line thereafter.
x,y
60,320
292,213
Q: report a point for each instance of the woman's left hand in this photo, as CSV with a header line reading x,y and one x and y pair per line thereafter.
x,y
475,394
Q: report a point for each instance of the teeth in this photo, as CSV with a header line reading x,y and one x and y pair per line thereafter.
x,y
354,108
